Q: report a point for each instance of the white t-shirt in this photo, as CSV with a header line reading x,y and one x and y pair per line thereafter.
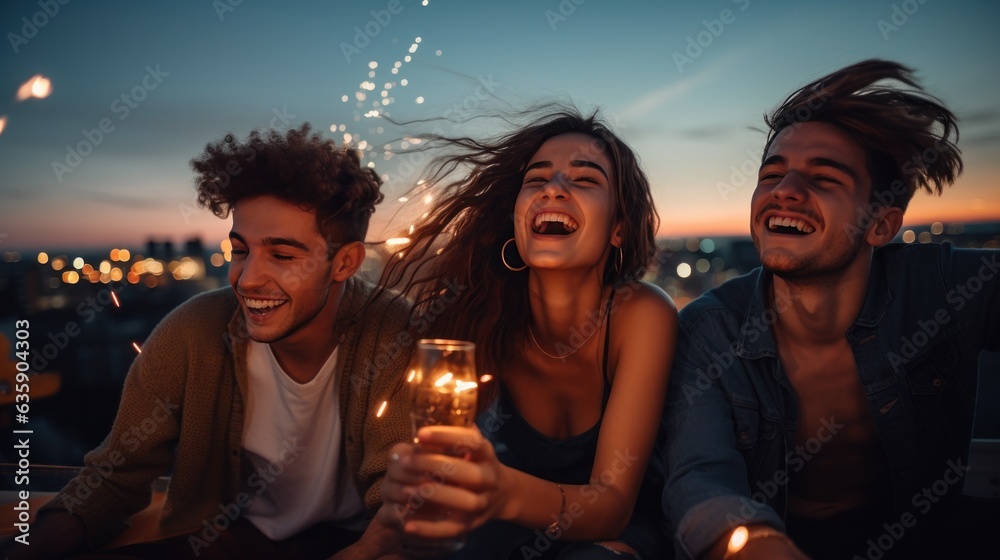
x,y
294,467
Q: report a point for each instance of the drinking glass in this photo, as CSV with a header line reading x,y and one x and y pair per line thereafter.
x,y
442,380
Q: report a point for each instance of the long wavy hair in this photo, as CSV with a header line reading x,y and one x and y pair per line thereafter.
x,y
452,269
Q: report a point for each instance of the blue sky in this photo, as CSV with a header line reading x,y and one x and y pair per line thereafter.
x,y
231,65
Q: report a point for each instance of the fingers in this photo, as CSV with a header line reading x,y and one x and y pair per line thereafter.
x,y
441,529
453,440
444,488
443,469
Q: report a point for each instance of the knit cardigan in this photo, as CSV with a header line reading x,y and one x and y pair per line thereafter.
x,y
183,405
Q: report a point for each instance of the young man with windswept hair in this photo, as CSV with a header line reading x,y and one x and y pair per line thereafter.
x,y
824,402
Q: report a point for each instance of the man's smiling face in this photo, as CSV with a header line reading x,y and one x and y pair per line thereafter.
x,y
280,270
812,183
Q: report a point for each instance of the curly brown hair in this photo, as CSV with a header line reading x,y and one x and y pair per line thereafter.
x,y
299,167
459,242
906,133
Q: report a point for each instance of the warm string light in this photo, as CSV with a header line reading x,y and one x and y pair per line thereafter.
x,y
136,346
381,409
114,297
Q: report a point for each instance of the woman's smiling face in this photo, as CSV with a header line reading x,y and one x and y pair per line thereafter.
x,y
564,214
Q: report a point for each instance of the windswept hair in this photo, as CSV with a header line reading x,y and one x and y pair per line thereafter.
x,y
906,133
299,167
452,267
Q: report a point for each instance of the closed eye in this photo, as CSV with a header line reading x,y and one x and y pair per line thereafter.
x,y
827,179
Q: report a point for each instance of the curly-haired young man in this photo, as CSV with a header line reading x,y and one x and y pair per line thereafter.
x,y
264,398
823,403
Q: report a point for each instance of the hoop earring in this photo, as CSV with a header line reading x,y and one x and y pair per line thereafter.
x,y
503,257
621,262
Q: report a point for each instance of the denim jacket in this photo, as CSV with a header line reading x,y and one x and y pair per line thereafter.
x,y
731,412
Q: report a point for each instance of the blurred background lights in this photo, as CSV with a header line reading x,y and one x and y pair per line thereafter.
x,y
38,86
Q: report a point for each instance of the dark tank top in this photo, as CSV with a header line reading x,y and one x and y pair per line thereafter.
x,y
570,461
519,445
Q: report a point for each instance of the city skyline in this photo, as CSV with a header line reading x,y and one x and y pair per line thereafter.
x,y
134,92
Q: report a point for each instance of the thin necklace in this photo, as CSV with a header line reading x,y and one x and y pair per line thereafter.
x,y
573,351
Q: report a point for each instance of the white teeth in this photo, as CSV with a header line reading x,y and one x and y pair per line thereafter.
x,y
567,221
263,303
796,223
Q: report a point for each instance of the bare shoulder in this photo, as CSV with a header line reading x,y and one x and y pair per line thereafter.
x,y
641,305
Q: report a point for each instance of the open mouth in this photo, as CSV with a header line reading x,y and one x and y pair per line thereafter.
x,y
789,226
263,306
554,223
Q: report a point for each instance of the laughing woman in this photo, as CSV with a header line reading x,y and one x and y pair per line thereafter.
x,y
580,348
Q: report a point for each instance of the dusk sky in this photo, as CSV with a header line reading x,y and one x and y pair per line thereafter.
x,y
165,78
